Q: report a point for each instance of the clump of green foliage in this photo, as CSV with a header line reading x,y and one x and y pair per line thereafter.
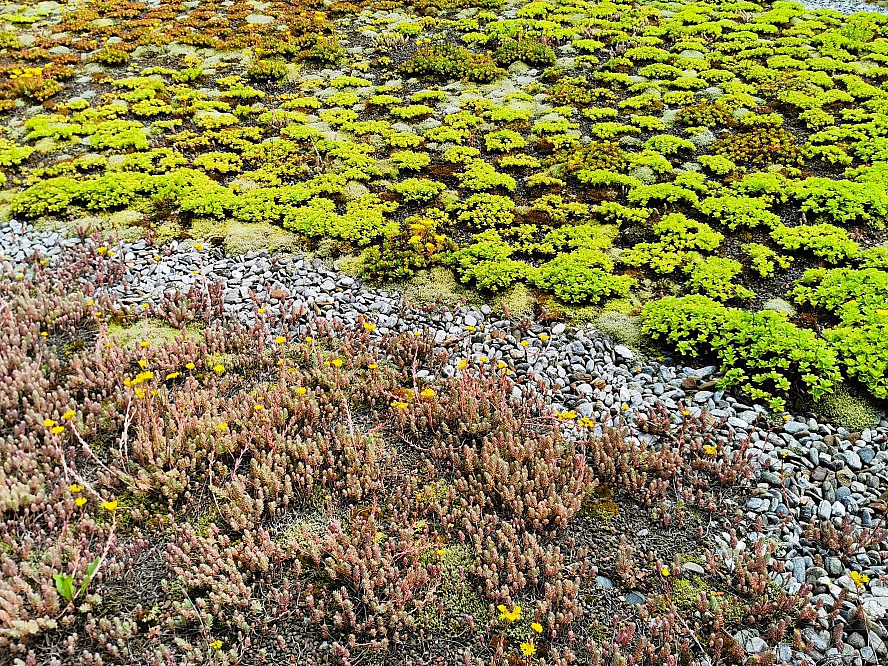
x,y
761,353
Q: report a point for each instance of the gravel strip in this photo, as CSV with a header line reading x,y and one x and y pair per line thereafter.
x,y
847,6
807,470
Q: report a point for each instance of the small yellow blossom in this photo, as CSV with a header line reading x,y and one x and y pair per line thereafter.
x,y
70,414
369,326
710,449
143,363
427,393
527,649
568,415
218,368
101,249
859,578
144,344
80,501
172,375
685,412
372,366
198,247
58,430
145,306
74,488
543,337
624,406
462,364
537,627
664,571
90,303
216,644
302,390
483,359
882,312
280,340
110,506
258,408
49,423
189,365
336,362
222,426
261,311
586,422
140,393
308,338
44,334
509,615
399,404
471,329
524,343
501,365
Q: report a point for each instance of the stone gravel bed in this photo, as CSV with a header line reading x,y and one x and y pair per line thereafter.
x,y
806,469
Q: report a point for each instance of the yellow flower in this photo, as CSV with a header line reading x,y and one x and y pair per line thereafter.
x,y
710,449
143,363
261,310
90,303
427,393
301,390
308,338
398,404
58,430
49,423
70,414
189,365
222,426
664,571
258,408
471,329
501,365
145,306
110,506
216,644
369,326
543,337
483,359
461,365
144,344
218,368
74,488
685,412
198,247
882,312
172,375
859,578
80,501
527,649
586,422
280,339
336,362
372,366
524,343
101,249
537,627
509,615
568,415
140,393
624,406
44,334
